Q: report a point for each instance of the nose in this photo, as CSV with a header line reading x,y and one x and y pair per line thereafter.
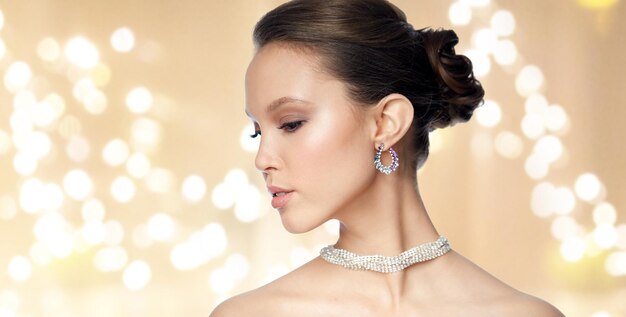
x,y
265,159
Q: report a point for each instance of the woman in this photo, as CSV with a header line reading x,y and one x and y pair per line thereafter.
x,y
333,84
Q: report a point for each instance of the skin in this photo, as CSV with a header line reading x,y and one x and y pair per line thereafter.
x,y
328,162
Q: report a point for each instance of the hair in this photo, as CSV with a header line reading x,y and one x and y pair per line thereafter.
x,y
370,46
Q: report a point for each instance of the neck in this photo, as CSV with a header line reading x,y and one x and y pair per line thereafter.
x,y
390,219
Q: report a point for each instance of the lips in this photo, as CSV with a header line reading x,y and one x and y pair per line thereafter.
x,y
280,196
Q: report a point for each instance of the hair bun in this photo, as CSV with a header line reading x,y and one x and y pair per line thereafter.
x,y
460,92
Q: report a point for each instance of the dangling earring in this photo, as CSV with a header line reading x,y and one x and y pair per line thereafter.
x,y
379,165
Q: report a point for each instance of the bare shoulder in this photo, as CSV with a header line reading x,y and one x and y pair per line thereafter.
x,y
246,304
527,305
267,300
496,297
276,298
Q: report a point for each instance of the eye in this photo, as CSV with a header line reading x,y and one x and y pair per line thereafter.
x,y
291,126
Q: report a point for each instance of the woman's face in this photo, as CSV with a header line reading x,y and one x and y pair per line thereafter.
x,y
311,140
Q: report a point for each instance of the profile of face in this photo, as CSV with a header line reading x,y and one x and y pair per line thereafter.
x,y
312,141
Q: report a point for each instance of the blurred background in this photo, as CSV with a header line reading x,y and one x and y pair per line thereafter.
x,y
127,179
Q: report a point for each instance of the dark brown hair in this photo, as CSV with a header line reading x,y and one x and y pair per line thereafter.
x,y
369,45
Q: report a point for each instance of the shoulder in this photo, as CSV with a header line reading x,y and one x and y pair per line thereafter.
x,y
246,304
493,295
526,305
277,298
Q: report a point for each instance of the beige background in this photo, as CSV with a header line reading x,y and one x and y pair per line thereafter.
x,y
192,56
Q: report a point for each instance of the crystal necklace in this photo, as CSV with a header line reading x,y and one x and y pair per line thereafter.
x,y
386,264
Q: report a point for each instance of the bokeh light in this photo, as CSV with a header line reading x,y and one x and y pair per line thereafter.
x,y
160,180
123,189
95,102
489,114
604,214
224,194
93,232
565,227
139,100
81,52
615,263
532,126
110,259
100,75
536,167
200,247
20,268
138,165
30,191
194,188
238,265
605,236
573,249
115,152
78,148
248,204
17,76
137,275
509,145
555,118
49,49
146,134
588,187
24,164
161,227
78,185
481,65
536,103
123,40
529,80
565,201
460,13
505,52
221,281
543,202
93,210
485,39
140,236
114,232
482,146
549,148
40,254
503,23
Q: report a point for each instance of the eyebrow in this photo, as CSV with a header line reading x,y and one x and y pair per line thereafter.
x,y
279,102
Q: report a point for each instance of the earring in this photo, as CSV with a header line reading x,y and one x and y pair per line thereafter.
x,y
379,165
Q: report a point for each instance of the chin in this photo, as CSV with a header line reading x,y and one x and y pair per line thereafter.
x,y
296,224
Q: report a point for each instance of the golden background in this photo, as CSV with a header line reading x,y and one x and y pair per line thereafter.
x,y
127,183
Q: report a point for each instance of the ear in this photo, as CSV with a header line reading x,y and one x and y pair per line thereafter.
x,y
393,117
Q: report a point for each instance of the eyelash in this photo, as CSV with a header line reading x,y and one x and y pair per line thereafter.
x,y
294,124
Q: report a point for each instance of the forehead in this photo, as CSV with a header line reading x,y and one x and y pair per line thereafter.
x,y
278,71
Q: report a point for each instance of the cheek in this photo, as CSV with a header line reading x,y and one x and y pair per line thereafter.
x,y
334,160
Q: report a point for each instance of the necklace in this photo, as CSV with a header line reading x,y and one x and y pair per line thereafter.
x,y
386,264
